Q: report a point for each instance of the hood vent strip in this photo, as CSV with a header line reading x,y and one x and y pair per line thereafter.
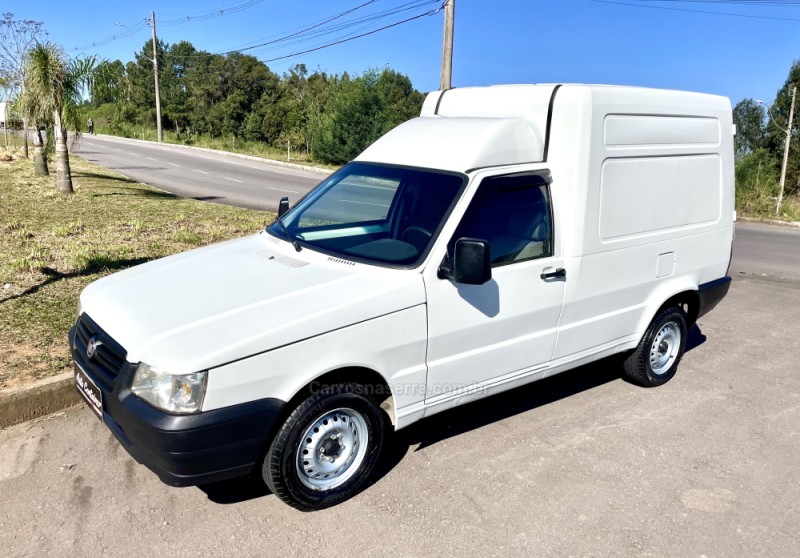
x,y
278,258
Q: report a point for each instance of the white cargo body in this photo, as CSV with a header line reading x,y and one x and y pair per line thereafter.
x,y
507,234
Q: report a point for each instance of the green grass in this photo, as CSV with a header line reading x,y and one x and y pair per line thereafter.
x,y
53,245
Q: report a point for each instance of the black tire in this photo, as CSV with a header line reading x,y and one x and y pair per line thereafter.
x,y
656,359
347,412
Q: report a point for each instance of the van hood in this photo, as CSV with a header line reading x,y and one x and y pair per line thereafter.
x,y
210,306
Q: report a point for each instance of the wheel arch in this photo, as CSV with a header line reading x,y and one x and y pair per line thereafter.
x,y
684,294
373,382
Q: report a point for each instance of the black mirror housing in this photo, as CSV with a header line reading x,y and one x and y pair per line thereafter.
x,y
472,263
283,206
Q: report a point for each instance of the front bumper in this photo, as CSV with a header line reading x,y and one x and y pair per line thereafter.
x,y
183,450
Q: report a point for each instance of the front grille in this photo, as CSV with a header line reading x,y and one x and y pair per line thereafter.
x,y
109,356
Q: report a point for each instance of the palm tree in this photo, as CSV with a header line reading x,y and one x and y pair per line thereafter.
x,y
54,84
34,112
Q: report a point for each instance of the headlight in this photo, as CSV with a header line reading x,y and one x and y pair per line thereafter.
x,y
170,392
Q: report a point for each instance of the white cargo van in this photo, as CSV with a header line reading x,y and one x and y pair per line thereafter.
x,y
507,234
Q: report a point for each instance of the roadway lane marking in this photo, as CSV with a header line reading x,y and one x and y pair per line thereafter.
x,y
203,172
134,154
173,164
151,159
232,179
281,189
366,203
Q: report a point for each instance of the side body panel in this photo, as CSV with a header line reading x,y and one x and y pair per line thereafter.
x,y
656,203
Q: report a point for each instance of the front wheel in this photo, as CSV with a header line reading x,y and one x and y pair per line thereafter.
x,y
326,448
655,360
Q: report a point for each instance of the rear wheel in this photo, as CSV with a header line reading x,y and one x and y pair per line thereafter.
x,y
326,449
656,359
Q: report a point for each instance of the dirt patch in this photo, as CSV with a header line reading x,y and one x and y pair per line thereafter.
x,y
23,363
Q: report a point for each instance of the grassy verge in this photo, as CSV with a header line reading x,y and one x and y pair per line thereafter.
x,y
53,245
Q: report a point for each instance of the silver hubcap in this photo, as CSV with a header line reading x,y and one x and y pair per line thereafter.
x,y
664,349
332,449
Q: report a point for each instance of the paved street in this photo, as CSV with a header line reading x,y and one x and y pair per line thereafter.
x,y
187,172
581,464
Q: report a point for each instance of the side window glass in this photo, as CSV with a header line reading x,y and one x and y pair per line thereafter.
x,y
513,214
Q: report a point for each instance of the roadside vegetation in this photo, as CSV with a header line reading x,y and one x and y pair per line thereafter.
x,y
53,246
236,102
760,140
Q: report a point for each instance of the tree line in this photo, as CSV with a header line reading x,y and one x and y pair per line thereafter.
x,y
236,96
760,140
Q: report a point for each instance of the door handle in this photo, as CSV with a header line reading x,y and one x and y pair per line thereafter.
x,y
550,273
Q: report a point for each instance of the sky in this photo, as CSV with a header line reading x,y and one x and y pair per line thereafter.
x,y
672,44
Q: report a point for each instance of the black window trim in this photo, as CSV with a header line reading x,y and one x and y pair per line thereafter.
x,y
547,177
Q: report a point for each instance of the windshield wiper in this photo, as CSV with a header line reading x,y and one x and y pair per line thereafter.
x,y
289,236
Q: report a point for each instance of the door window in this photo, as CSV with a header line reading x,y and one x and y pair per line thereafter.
x,y
513,214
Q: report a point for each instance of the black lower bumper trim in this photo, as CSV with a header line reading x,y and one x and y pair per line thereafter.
x,y
193,449
711,293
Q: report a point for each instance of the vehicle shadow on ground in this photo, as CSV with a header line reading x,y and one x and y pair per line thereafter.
x,y
451,423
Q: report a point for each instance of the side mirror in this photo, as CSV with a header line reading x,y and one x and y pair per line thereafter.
x,y
472,263
283,206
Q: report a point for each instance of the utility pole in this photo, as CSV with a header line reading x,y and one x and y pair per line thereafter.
x,y
155,73
447,45
786,153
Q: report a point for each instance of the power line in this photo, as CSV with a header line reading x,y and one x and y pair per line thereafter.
x,y
141,24
219,12
427,14
345,25
709,12
319,29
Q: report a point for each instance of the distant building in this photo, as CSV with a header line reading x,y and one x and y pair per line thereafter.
x,y
3,114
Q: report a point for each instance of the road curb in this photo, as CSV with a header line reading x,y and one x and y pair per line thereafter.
x,y
38,399
773,222
273,162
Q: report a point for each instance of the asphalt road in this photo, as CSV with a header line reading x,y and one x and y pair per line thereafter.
x,y
766,251
197,174
581,464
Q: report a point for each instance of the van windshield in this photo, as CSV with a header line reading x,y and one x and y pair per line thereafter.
x,y
373,213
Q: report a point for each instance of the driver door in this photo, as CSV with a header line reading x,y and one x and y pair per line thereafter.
x,y
481,335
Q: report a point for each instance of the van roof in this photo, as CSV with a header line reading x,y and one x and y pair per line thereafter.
x,y
475,127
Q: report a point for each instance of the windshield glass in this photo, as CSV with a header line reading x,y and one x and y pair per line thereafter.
x,y
374,213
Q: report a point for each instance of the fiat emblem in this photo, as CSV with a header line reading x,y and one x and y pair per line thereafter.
x,y
91,347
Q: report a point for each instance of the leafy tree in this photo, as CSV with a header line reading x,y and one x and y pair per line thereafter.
x,y
749,118
362,109
17,37
54,83
775,134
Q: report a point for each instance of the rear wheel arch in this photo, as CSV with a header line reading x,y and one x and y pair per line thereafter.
x,y
688,301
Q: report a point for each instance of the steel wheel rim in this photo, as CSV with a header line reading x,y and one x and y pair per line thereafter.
x,y
665,347
332,449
